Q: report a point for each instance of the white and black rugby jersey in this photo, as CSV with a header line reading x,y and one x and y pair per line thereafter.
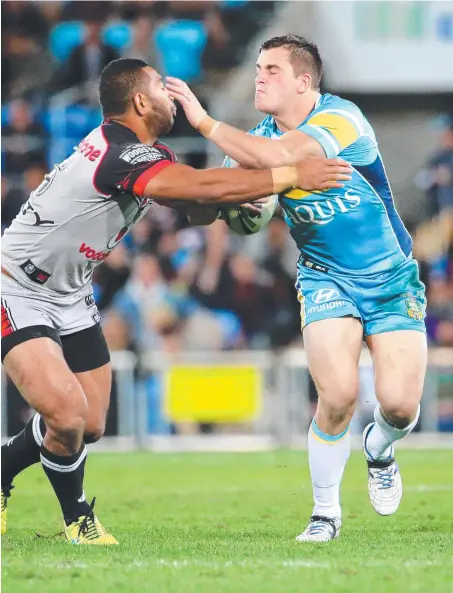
x,y
81,210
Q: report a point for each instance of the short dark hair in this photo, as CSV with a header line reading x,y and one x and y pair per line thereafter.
x,y
118,83
303,53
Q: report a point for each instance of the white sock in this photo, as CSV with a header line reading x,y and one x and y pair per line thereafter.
x,y
327,455
378,445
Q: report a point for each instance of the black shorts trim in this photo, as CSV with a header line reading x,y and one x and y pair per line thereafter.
x,y
85,350
24,334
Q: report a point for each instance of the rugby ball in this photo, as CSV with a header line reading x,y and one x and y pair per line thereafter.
x,y
241,220
244,222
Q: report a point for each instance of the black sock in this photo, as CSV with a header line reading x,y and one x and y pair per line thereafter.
x,y
66,475
22,450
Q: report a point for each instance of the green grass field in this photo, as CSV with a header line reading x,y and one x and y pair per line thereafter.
x,y
215,523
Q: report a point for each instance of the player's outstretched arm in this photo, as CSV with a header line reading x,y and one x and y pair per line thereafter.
x,y
250,151
239,186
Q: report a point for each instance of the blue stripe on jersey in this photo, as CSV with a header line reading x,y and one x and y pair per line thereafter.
x,y
377,178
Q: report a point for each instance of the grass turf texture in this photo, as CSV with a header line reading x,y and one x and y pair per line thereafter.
x,y
226,523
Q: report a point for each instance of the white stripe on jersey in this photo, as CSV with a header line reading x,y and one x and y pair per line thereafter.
x,y
328,136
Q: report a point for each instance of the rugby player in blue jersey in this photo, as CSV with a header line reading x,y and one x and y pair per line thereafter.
x,y
357,279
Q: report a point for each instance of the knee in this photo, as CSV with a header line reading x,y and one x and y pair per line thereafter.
x,y
399,406
338,405
95,425
400,415
93,433
66,422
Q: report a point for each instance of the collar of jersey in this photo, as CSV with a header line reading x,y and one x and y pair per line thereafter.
x,y
278,132
123,131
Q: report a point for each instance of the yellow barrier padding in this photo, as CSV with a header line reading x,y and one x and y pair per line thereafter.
x,y
212,393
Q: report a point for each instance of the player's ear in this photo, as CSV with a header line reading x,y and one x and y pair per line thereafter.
x,y
140,103
304,83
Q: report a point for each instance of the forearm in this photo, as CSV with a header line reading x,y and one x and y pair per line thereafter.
x,y
258,152
219,186
250,151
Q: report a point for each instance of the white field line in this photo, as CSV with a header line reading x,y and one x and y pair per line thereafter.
x,y
429,488
189,491
250,564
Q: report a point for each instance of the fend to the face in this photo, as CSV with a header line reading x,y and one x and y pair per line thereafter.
x,y
163,108
287,67
275,80
129,89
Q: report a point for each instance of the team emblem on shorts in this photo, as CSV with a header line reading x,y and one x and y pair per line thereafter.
x,y
414,309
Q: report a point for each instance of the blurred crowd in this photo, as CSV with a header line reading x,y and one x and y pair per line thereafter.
x,y
170,286
51,46
433,238
53,53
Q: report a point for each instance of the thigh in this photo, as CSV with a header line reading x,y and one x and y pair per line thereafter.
x,y
399,359
24,316
323,296
392,301
333,349
39,371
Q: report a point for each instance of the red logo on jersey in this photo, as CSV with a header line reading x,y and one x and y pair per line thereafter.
x,y
89,151
117,238
91,254
7,327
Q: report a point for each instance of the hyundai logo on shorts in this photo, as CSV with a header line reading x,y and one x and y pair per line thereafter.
x,y
324,295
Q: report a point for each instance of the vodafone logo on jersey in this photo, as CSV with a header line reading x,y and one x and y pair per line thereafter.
x,y
89,150
92,254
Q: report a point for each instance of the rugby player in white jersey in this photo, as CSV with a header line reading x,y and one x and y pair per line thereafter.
x,y
53,348
357,278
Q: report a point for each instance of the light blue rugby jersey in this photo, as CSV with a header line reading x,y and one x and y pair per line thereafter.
x,y
355,229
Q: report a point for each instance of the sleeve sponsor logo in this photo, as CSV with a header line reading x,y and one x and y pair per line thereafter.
x,y
140,153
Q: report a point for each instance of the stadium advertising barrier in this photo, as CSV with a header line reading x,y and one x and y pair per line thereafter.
x,y
386,46
237,401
